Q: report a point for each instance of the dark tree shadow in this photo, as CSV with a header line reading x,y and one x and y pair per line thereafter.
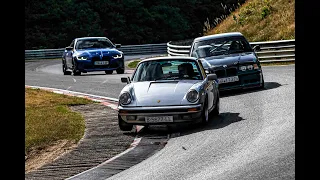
x,y
267,86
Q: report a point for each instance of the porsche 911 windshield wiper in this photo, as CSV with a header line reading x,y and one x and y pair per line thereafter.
x,y
167,78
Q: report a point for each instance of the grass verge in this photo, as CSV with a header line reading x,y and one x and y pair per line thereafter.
x,y
133,64
48,119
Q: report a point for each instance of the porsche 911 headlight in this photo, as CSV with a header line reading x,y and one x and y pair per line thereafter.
x,y
117,56
81,58
125,98
192,96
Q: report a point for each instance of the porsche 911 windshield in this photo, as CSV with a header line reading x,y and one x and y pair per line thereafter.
x,y
216,47
93,43
167,70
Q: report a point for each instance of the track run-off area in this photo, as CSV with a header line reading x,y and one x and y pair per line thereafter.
x,y
252,138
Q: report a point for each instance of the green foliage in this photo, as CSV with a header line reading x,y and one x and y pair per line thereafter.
x,y
54,23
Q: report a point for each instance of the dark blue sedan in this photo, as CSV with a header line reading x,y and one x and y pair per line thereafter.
x,y
231,58
89,54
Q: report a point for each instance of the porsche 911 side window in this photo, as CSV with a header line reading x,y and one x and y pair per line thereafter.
x,y
167,70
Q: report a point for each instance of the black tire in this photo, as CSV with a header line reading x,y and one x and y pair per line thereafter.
x,y
216,110
123,125
64,69
120,71
262,84
109,71
75,71
205,113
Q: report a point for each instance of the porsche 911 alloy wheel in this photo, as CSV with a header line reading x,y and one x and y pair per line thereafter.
x,y
205,113
123,125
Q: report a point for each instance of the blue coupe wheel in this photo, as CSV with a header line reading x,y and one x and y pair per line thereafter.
x,y
64,69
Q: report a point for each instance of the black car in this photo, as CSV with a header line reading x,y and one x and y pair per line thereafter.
x,y
89,54
231,58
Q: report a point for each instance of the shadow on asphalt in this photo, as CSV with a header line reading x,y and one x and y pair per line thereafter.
x,y
215,122
267,86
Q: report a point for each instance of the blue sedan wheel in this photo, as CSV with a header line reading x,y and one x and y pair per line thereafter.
x,y
64,69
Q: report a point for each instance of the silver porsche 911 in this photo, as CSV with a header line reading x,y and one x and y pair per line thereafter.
x,y
165,90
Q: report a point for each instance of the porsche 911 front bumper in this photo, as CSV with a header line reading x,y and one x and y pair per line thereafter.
x,y
160,114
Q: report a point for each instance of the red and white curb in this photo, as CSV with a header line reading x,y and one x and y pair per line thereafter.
x,y
107,101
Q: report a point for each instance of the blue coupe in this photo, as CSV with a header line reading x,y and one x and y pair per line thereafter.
x,y
89,54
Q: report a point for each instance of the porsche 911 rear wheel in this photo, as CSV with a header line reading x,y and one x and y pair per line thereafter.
x,y
123,125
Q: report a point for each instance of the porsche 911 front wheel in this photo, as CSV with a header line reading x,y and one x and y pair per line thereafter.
x,y
216,109
205,113
123,125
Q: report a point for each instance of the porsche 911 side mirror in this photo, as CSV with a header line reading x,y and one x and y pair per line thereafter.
x,y
212,77
125,80
118,45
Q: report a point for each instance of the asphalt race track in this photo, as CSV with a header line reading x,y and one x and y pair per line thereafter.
x,y
253,137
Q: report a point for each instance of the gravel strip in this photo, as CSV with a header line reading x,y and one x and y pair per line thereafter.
x,y
102,141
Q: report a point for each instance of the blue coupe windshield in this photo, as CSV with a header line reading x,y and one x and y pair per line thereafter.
x,y
93,43
167,70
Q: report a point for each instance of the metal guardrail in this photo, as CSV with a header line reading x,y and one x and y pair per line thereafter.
x,y
126,49
271,51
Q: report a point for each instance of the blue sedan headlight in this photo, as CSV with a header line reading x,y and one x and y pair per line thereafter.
x,y
81,58
192,96
117,56
125,98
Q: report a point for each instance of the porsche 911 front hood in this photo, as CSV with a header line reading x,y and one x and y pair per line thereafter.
x,y
161,93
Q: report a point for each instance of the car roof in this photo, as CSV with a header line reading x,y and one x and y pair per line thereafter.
x,y
220,35
82,38
170,58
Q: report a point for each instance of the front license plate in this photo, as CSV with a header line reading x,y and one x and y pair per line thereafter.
x,y
228,79
157,119
101,62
